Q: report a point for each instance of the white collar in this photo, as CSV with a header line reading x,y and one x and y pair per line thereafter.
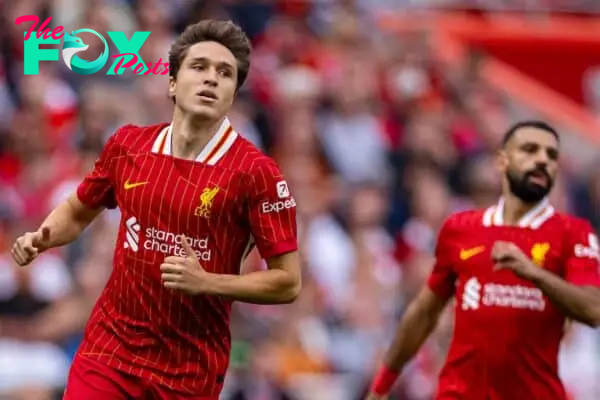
x,y
542,212
214,150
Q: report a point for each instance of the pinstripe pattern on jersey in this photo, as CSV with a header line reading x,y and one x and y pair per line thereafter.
x,y
181,342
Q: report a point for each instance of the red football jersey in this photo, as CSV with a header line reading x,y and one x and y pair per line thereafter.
x,y
231,198
507,332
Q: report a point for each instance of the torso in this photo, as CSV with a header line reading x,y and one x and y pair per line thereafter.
x,y
183,338
507,332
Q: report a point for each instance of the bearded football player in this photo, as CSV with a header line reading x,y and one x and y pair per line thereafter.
x,y
195,197
517,270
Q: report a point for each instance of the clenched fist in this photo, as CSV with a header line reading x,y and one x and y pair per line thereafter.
x,y
28,246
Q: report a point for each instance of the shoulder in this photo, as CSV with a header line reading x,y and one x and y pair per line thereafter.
x,y
464,220
253,161
460,223
571,224
135,137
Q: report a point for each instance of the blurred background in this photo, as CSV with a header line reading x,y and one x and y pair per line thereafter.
x,y
384,116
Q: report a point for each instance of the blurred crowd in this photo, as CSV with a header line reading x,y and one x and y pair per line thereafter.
x,y
379,141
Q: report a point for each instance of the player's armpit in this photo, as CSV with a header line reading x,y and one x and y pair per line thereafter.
x,y
280,284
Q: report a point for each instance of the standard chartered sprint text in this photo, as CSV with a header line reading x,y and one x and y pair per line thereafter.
x,y
516,296
170,243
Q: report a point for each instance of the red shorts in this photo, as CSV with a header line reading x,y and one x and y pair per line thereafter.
x,y
90,380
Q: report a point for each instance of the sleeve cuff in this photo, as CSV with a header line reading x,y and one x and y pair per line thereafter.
x,y
278,249
443,291
584,280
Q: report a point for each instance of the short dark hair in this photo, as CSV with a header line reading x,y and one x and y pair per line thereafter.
x,y
225,33
544,126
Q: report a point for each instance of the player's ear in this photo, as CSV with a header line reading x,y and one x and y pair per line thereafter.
x,y
172,87
501,160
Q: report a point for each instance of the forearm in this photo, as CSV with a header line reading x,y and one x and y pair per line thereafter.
x,y
67,221
262,287
415,327
578,303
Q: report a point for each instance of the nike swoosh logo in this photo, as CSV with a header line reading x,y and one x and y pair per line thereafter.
x,y
128,185
468,253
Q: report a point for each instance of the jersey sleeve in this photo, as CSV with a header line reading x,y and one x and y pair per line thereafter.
x,y
97,189
442,279
272,212
582,266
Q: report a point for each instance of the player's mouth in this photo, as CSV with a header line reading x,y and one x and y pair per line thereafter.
x,y
207,96
539,178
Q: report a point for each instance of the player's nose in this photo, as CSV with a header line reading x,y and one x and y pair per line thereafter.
x,y
542,158
210,77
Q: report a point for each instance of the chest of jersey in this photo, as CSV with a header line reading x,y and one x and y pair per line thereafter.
x,y
162,199
485,294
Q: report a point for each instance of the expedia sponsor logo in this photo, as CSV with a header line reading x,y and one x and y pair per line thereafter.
x,y
277,206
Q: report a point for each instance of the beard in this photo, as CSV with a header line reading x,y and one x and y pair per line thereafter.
x,y
525,189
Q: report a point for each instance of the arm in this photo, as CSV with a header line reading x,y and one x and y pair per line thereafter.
x,y
271,214
62,226
578,293
280,284
70,218
420,319
581,303
421,316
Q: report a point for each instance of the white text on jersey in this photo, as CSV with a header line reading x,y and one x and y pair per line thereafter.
x,y
277,206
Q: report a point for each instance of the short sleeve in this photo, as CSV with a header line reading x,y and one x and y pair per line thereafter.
x,y
583,255
442,280
97,188
272,212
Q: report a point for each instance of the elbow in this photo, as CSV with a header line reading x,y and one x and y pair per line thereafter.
x,y
590,317
594,320
291,292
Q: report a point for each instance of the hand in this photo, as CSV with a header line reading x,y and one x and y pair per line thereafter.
x,y
372,396
507,255
184,273
28,246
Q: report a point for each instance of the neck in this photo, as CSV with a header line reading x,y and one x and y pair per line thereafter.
x,y
515,209
191,135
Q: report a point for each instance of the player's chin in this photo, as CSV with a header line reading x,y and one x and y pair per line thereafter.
x,y
207,111
537,191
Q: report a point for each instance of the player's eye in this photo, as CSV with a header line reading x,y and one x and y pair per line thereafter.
x,y
553,154
529,148
225,72
198,67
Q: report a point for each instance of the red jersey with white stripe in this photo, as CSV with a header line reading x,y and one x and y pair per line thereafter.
x,y
507,332
231,198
